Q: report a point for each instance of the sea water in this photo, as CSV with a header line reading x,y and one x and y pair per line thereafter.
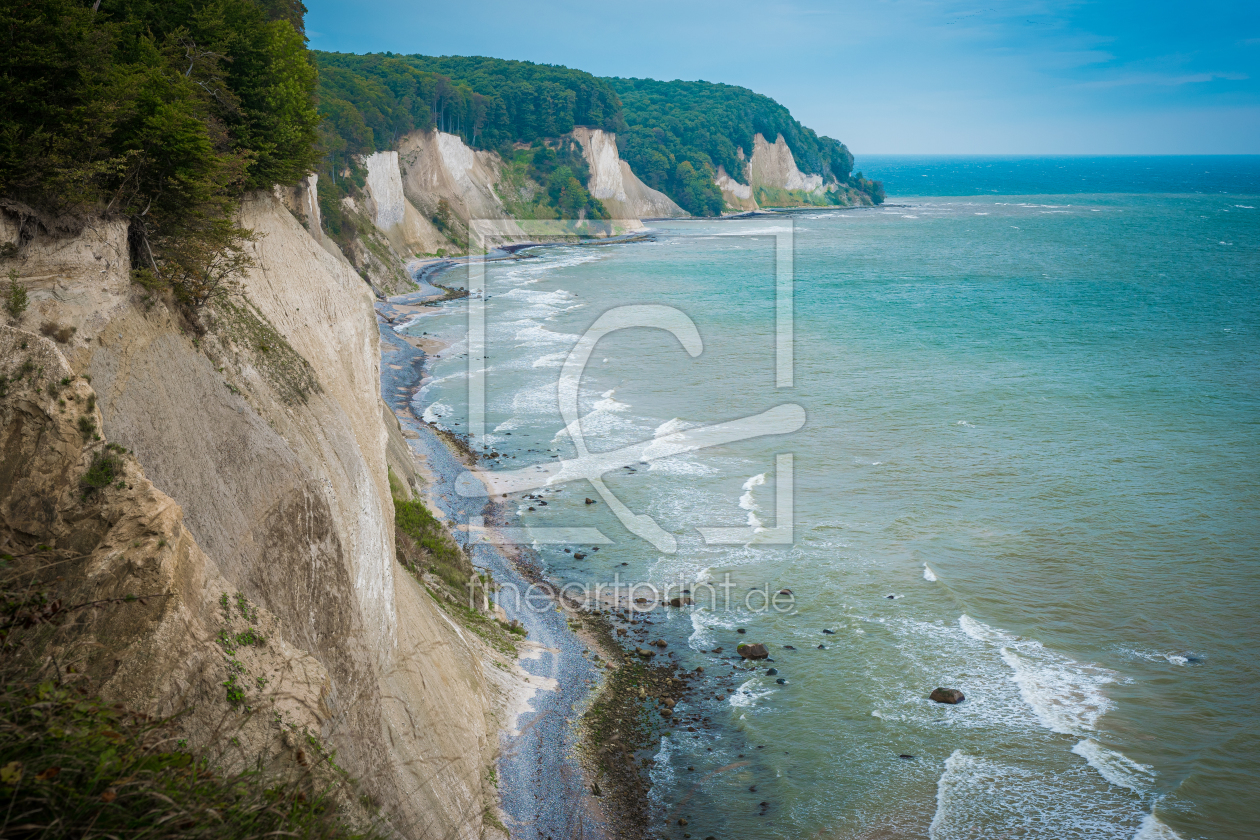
x,y
1030,470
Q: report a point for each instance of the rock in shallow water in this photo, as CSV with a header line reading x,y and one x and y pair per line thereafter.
x,y
755,650
947,695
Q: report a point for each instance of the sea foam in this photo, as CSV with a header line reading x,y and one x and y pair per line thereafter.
x,y
1152,828
1116,767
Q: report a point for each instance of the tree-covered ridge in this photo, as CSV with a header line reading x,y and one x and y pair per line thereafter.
x,y
163,112
369,101
677,130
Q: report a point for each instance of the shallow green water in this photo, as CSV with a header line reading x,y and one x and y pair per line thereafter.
x,y
1034,421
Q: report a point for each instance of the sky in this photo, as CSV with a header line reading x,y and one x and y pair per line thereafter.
x,y
887,76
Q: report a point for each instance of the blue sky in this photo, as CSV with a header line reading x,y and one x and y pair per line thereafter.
x,y
890,76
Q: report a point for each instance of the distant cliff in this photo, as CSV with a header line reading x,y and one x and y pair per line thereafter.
x,y
691,142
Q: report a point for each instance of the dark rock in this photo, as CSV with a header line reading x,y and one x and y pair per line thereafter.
x,y
754,651
789,647
890,597
531,508
595,789
785,591
771,672
682,822
577,555
905,755
741,630
829,632
781,681
947,695
590,501
752,788
822,647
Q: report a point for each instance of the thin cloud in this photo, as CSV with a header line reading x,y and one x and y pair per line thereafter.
x,y
1159,80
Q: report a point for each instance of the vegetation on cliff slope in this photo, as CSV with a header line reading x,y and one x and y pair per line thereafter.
x,y
679,133
74,765
162,113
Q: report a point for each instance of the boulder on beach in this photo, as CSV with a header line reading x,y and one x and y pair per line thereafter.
x,y
947,695
755,650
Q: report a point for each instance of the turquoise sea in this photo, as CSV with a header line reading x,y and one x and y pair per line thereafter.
x,y
1030,470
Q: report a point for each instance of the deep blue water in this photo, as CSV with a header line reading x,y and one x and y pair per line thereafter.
x,y
925,175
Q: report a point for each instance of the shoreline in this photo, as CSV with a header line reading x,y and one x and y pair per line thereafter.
x,y
542,783
569,762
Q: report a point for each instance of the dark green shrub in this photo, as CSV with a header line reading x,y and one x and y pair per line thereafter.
x,y
104,469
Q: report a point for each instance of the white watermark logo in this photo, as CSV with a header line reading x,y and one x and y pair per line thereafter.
x,y
591,466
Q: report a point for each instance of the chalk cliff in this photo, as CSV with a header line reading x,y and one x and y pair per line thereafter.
x,y
625,197
772,165
408,230
735,196
453,184
774,180
257,463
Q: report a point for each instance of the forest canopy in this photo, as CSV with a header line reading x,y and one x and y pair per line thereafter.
x,y
163,112
369,101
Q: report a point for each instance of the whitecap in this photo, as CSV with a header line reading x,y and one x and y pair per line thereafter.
x,y
550,360
928,574
669,427
1152,828
1019,800
1115,767
436,411
1066,697
746,501
748,694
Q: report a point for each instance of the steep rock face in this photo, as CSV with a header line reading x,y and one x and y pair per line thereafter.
x,y
735,195
447,180
612,181
772,165
406,228
268,432
127,538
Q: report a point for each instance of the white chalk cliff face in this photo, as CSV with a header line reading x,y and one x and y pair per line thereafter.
x,y
408,230
612,181
437,167
734,194
772,165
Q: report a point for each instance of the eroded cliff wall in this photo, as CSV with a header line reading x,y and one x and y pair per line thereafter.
x,y
625,197
452,183
265,445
